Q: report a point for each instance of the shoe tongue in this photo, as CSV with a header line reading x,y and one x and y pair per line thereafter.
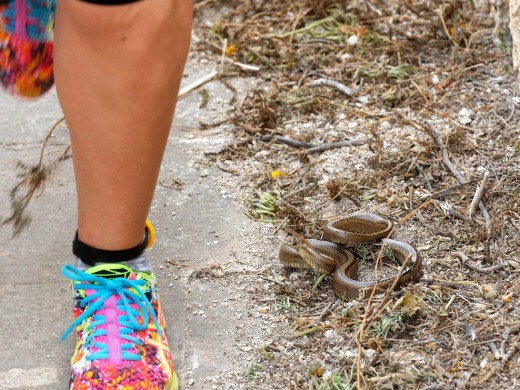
x,y
111,271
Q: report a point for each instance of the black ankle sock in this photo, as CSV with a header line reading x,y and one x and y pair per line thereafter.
x,y
90,255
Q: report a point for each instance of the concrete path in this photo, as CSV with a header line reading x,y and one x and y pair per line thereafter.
x,y
197,226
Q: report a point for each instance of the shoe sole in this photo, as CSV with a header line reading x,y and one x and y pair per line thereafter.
x,y
175,382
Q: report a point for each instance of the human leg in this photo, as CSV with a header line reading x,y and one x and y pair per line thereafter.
x,y
117,71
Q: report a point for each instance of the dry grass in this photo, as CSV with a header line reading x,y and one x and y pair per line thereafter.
x,y
407,62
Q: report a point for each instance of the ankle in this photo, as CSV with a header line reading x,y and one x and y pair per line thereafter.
x,y
139,264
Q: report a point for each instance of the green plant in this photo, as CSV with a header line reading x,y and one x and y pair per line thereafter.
x,y
252,370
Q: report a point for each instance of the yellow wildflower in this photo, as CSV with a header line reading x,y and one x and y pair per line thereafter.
x,y
231,49
277,174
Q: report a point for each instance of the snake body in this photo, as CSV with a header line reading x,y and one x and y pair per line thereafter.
x,y
331,257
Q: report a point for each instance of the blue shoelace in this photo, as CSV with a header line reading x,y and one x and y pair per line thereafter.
x,y
104,289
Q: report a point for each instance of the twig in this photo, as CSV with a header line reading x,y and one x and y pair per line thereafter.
x,y
202,4
331,83
223,52
446,159
272,280
294,143
329,201
172,181
447,32
33,177
280,225
327,308
335,145
47,137
460,126
308,27
473,266
450,189
478,196
220,165
394,376
512,114
389,291
436,386
223,58
242,66
177,263
318,281
505,336
303,189
488,376
413,212
493,347
450,302
449,210
190,87
317,148
444,151
367,321
308,331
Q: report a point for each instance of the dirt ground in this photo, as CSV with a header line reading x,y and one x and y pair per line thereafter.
x,y
427,93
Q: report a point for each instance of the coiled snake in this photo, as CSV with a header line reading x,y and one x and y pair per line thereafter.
x,y
331,256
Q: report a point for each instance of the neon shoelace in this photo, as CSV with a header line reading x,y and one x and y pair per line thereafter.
x,y
127,293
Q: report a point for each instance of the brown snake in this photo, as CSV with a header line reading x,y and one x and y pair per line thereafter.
x,y
331,257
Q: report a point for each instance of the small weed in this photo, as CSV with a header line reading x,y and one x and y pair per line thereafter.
x,y
335,381
252,370
264,206
219,28
284,305
383,327
265,354
204,94
374,40
368,195
401,71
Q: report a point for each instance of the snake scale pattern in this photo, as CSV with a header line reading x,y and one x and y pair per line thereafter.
x,y
331,256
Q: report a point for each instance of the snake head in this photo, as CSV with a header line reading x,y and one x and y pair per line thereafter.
x,y
295,239
288,240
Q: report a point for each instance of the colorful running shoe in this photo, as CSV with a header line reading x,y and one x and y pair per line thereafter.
x,y
26,47
121,343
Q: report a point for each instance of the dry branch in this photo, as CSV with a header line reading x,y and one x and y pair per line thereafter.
x,y
334,84
318,148
446,160
335,145
436,386
33,178
478,196
190,87
506,355
473,266
294,143
449,210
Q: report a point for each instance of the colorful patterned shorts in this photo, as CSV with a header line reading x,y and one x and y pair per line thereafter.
x,y
26,44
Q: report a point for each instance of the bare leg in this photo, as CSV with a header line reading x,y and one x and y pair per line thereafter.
x,y
118,70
